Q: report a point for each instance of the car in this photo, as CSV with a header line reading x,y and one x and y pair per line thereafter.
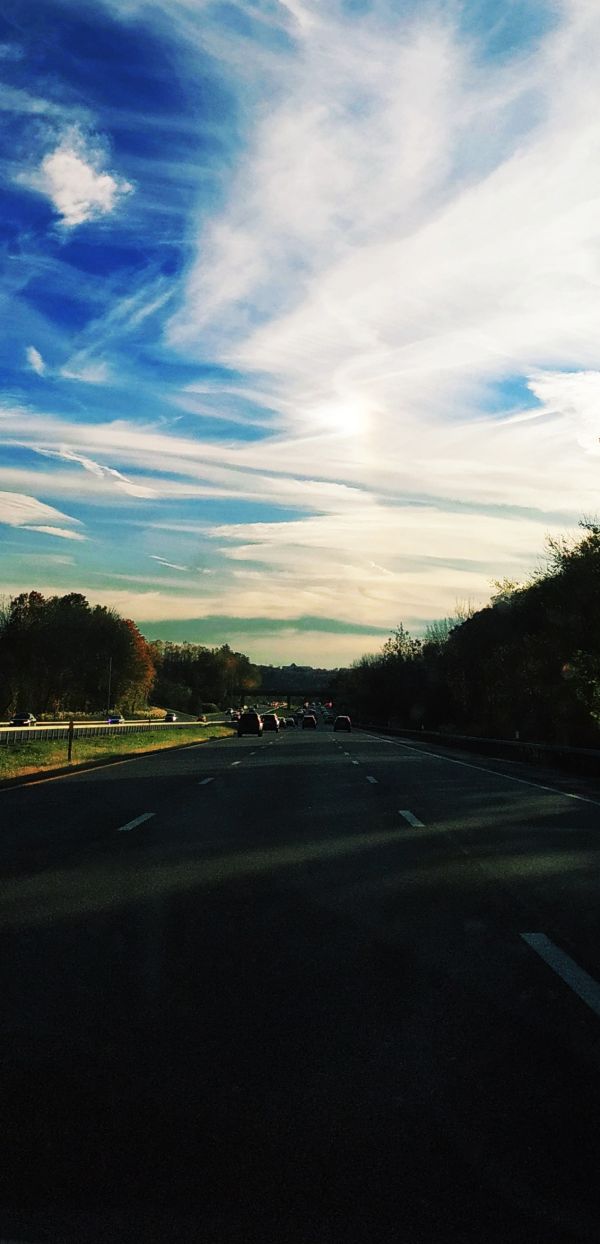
x,y
290,723
201,717
342,722
309,721
249,723
23,719
170,716
271,721
115,719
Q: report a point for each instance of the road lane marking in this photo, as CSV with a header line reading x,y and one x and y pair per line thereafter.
x,y
355,762
569,971
138,821
420,751
372,779
205,781
412,820
234,763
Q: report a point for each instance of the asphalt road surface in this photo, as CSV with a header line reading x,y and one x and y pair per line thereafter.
x,y
310,987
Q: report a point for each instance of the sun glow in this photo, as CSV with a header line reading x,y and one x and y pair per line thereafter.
x,y
347,417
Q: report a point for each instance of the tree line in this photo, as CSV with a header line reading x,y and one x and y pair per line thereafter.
x,y
526,665
192,678
60,655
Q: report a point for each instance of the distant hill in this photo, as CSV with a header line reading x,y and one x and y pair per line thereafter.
x,y
295,678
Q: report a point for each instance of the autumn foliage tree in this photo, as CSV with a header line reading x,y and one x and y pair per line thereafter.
x,y
60,654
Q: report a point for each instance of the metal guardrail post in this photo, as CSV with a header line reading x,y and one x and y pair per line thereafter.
x,y
70,737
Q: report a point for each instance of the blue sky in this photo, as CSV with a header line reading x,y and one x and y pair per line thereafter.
x,y
300,308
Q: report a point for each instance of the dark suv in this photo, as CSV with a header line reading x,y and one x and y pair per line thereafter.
x,y
271,721
249,723
309,721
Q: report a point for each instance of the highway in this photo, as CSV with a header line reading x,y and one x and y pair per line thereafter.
x,y
305,987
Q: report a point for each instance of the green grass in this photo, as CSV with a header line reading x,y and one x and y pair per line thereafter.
x,y
35,755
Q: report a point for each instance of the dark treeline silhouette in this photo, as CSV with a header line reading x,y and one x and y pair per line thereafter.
x,y
295,679
191,678
529,662
61,654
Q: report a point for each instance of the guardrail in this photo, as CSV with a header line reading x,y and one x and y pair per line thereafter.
x,y
82,730
585,760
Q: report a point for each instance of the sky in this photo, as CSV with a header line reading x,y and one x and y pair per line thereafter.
x,y
300,306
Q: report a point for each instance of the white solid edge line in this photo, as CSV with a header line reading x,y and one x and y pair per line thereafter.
x,y
412,820
420,751
569,971
205,781
371,779
138,821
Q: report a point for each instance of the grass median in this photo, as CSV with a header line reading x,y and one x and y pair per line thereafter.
x,y
22,759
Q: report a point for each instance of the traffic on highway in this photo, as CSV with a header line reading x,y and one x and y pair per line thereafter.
x,y
307,985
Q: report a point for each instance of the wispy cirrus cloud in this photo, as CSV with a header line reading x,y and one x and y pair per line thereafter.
x,y
408,226
20,510
88,372
97,469
164,562
35,360
64,533
342,344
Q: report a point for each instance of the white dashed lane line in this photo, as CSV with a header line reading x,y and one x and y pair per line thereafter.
x,y
132,824
569,971
234,763
412,820
205,781
355,762
372,779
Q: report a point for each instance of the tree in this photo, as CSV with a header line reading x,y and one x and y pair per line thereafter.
x,y
56,655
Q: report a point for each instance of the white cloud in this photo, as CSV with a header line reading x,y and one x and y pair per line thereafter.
x,y
35,360
88,373
95,468
408,227
163,562
20,510
71,176
63,532
575,395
